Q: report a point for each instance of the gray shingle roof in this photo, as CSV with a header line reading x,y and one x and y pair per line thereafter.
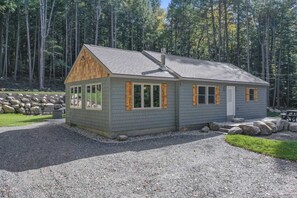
x,y
125,62
207,70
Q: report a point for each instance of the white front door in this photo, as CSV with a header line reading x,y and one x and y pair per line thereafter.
x,y
230,101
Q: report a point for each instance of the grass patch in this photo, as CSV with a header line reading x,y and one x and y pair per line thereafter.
x,y
32,92
274,148
20,120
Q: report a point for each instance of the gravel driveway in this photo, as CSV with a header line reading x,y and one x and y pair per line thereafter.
x,y
49,160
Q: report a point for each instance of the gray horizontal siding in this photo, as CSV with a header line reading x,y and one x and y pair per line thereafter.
x,y
122,120
93,119
202,113
194,115
251,109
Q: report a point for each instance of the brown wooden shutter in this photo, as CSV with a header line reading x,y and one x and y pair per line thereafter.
x,y
256,94
247,94
218,95
164,96
195,95
129,96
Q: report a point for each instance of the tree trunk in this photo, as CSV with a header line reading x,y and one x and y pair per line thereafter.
x,y
238,33
226,32
28,42
76,29
278,78
17,48
263,60
1,43
6,46
66,45
220,30
267,58
98,14
36,45
213,30
248,36
44,31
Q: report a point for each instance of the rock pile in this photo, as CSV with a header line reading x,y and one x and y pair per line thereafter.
x,y
31,104
255,128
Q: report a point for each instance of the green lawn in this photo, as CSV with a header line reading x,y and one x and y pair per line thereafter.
x,y
20,120
274,148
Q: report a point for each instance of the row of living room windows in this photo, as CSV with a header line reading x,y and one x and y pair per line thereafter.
x,y
93,96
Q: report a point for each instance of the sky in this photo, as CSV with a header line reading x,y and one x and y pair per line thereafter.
x,y
164,3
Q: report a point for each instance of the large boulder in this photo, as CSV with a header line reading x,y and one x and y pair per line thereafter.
x,y
235,130
214,126
5,103
35,99
16,107
122,137
1,110
22,110
271,125
25,100
250,130
293,127
28,105
35,110
282,125
43,100
35,104
52,100
8,109
264,128
205,129
14,102
10,98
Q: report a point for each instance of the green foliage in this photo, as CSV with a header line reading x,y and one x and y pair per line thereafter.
x,y
210,30
274,148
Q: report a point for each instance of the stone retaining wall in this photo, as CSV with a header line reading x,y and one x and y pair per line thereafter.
x,y
31,104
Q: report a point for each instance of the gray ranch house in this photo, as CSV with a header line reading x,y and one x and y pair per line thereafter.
x,y
113,91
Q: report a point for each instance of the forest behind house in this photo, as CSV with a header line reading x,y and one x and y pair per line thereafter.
x,y
40,39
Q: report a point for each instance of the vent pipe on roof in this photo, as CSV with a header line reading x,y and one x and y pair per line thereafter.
x,y
163,52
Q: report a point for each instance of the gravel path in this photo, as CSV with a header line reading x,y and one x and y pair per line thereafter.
x,y
49,160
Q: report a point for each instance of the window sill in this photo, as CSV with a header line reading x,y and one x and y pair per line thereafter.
x,y
75,108
94,109
152,108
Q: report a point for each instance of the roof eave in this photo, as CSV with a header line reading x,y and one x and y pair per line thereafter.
x,y
225,81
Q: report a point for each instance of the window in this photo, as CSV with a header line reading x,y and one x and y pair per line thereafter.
x,y
201,95
75,97
211,95
206,95
252,94
146,96
94,96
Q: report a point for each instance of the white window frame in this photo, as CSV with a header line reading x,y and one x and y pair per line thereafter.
x,y
253,94
206,94
86,95
142,96
74,106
